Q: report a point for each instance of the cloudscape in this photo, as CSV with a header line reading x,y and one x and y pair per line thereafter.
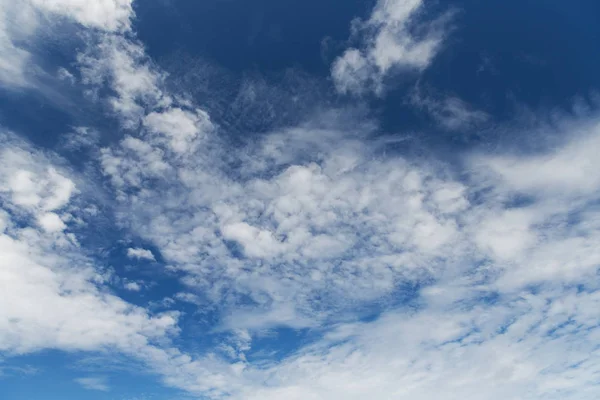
x,y
310,200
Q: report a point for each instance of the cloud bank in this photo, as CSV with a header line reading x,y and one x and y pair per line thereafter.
x,y
412,275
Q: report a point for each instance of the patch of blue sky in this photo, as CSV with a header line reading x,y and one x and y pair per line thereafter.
x,y
58,375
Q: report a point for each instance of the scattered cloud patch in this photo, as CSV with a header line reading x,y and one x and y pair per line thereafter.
x,y
140,254
393,39
80,138
409,273
94,383
133,286
19,24
449,112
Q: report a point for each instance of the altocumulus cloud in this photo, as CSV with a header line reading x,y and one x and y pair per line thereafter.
x,y
309,228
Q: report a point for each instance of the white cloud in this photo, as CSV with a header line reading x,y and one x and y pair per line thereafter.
x,y
496,352
53,296
124,66
64,75
569,170
140,254
38,190
353,73
133,286
51,222
80,138
316,226
17,24
20,22
449,112
107,15
94,383
390,42
300,236
181,127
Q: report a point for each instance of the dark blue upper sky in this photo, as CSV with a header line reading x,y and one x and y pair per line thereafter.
x,y
500,55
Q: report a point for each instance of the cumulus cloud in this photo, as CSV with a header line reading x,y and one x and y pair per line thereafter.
x,y
313,227
180,126
19,23
140,254
107,15
123,65
521,348
298,239
51,291
133,286
316,230
56,297
393,39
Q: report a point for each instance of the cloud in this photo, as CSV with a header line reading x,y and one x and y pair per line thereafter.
x,y
520,348
566,171
94,383
180,126
52,292
107,15
133,286
312,227
80,138
122,64
140,254
20,23
393,40
56,297
17,23
449,112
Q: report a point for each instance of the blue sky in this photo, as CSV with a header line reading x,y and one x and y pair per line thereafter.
x,y
225,199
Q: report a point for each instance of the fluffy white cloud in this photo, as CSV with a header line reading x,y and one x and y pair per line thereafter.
x,y
570,170
133,286
19,22
390,42
344,227
108,15
529,346
140,254
124,66
316,226
292,240
52,294
179,126
51,222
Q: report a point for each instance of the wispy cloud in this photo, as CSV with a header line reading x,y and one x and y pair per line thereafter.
x,y
94,383
393,39
449,112
51,297
20,22
311,227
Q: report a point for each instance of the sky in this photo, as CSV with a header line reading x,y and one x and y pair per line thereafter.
x,y
315,200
